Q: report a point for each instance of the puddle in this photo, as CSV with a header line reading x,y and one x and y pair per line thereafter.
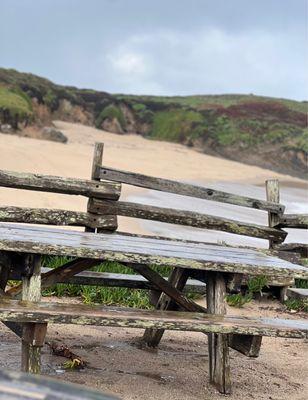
x,y
151,375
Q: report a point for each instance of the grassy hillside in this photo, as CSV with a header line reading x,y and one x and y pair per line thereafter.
x,y
212,101
258,130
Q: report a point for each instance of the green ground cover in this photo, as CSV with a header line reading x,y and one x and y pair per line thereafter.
x,y
111,112
16,102
99,294
175,125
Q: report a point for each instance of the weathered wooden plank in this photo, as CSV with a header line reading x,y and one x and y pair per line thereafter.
x,y
93,278
184,217
186,189
33,334
301,248
286,255
297,293
272,281
298,221
81,314
135,250
46,216
218,344
177,279
97,160
58,184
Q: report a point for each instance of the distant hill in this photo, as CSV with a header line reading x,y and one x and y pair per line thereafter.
x,y
257,130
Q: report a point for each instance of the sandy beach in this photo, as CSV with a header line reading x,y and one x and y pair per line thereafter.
x,y
178,370
129,152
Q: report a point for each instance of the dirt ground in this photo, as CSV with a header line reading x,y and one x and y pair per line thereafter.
x,y
178,369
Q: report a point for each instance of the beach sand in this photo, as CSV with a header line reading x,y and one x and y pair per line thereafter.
x,y
179,369
129,152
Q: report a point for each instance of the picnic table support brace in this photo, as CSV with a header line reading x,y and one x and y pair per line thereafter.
x,y
177,279
165,286
219,364
33,334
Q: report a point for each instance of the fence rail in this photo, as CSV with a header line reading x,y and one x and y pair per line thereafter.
x,y
186,189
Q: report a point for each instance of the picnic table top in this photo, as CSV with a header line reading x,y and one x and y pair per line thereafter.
x,y
146,250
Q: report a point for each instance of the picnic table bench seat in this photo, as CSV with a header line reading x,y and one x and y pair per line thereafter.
x,y
24,240
82,314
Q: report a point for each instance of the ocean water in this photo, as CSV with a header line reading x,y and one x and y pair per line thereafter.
x,y
295,200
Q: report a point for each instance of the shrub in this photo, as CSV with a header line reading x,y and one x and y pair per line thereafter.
x,y
50,99
257,284
110,112
175,125
143,113
254,285
100,294
302,141
297,305
139,107
16,102
238,300
226,133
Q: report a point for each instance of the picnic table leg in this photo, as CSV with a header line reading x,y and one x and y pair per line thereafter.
x,y
178,279
5,266
219,365
33,334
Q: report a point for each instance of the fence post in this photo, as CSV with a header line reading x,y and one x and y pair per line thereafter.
x,y
273,194
96,163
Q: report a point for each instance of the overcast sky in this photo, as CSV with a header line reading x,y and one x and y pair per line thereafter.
x,y
162,47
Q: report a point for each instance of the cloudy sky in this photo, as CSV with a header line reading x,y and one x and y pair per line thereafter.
x,y
162,47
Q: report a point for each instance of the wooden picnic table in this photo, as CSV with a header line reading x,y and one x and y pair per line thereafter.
x,y
219,268
215,263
